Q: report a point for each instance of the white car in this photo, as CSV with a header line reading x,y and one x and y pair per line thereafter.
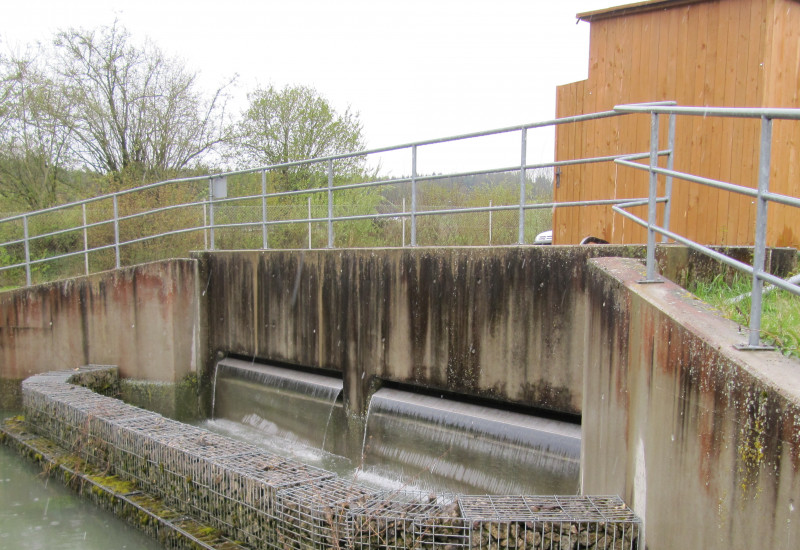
x,y
545,237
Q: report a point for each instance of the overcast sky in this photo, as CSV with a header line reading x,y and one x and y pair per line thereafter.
x,y
414,70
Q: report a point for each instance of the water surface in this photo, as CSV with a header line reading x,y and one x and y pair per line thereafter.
x,y
40,513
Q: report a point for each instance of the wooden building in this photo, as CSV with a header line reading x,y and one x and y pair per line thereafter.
x,y
734,53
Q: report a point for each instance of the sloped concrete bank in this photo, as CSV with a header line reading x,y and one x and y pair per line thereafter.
x,y
265,501
701,439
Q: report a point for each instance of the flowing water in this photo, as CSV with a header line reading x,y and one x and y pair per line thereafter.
x,y
410,440
39,513
470,448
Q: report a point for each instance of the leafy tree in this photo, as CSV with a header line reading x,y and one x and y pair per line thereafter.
x,y
135,109
292,124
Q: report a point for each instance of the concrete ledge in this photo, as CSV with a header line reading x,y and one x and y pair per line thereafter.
x,y
703,440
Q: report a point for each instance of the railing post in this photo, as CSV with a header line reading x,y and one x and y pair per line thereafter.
x,y
85,241
211,213
490,223
27,251
330,203
116,230
652,204
523,162
309,223
670,165
264,238
403,222
760,244
413,195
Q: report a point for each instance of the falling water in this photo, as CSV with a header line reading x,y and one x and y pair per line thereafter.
x,y
470,448
280,402
410,440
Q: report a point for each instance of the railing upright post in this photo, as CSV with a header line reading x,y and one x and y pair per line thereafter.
x,y
670,165
523,162
760,244
309,223
27,251
264,237
211,213
413,195
490,223
85,241
652,204
403,222
330,203
116,230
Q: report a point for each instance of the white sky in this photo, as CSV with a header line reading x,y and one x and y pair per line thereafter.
x,y
414,70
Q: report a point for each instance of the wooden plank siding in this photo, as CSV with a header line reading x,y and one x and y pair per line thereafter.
x,y
737,53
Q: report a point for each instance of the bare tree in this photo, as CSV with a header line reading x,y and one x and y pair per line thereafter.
x,y
136,109
35,134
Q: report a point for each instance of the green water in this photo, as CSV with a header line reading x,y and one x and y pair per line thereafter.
x,y
40,513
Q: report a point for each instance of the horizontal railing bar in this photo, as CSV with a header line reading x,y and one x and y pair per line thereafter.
x,y
319,160
734,112
742,190
741,266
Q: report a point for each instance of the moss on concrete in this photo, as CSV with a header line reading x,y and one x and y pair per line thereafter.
x,y
120,496
178,401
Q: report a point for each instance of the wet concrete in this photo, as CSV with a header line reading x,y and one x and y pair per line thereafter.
x,y
143,319
493,323
701,439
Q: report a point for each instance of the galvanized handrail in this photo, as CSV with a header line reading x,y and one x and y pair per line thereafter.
x,y
211,201
761,193
325,168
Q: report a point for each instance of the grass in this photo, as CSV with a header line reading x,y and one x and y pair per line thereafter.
x,y
780,319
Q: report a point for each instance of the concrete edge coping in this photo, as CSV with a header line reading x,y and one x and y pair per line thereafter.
x,y
779,373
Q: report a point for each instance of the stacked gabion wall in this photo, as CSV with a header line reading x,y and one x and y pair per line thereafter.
x,y
267,501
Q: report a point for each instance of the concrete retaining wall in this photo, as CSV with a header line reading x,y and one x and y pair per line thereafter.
x,y
702,440
496,323
144,319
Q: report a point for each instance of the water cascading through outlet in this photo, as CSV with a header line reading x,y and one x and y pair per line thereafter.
x,y
293,405
470,448
410,440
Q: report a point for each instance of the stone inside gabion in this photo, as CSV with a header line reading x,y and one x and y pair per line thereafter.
x,y
268,501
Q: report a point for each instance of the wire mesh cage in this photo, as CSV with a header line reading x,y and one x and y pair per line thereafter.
x,y
242,492
314,516
545,522
269,501
405,519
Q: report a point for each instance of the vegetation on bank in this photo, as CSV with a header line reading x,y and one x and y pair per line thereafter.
x,y
780,321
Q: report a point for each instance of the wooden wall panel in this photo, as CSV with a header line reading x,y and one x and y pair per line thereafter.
x,y
720,52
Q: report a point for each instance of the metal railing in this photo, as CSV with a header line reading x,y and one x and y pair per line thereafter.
x,y
199,207
761,193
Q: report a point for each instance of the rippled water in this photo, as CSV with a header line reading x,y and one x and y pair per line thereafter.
x,y
40,513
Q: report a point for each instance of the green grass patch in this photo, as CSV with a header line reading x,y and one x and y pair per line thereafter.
x,y
780,318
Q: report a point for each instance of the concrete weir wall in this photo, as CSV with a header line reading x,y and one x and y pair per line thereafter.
x,y
144,319
495,323
702,440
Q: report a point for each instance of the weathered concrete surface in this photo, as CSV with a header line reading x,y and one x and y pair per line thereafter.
x,y
490,322
701,439
502,323
144,319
